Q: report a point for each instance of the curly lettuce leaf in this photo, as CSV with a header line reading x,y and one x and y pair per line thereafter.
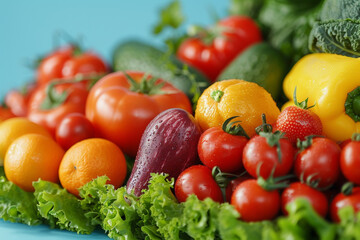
x,y
304,223
60,208
121,220
96,194
200,218
336,36
17,205
349,226
340,9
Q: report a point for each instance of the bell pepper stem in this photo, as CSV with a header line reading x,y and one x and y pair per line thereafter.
x,y
352,104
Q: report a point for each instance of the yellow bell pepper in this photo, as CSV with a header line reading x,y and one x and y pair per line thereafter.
x,y
332,83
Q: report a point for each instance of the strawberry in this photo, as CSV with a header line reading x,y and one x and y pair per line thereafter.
x,y
298,121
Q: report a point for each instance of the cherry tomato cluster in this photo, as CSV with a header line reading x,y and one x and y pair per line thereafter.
x,y
261,175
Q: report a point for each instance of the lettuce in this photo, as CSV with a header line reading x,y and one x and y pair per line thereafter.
x,y
349,226
60,208
17,205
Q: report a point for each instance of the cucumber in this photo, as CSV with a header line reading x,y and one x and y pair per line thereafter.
x,y
260,63
139,56
168,145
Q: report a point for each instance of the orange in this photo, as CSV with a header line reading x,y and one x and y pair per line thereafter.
x,y
30,157
89,159
13,128
235,97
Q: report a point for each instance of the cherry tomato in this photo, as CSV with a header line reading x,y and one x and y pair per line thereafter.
x,y
67,62
316,198
211,57
231,186
17,101
254,203
219,148
259,154
121,113
341,200
51,115
73,128
197,180
350,161
320,161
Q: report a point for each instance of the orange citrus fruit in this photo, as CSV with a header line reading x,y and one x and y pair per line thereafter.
x,y
13,128
30,157
89,159
235,97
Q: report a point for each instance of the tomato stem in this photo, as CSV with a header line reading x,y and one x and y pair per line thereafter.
x,y
347,188
264,127
233,128
356,137
273,139
145,86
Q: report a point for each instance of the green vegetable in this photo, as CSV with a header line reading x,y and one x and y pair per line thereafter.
x,y
338,30
288,24
60,208
138,56
16,205
170,16
249,8
262,64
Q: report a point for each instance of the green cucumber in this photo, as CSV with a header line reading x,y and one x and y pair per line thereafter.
x,y
260,63
139,56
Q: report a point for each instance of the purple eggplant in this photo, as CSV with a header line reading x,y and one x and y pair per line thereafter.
x,y
168,145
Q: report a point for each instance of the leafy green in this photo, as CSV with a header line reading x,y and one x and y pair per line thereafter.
x,y
17,205
60,208
349,226
2,172
338,30
170,16
249,8
287,24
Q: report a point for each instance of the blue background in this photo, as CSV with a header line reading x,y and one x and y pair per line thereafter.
x,y
27,29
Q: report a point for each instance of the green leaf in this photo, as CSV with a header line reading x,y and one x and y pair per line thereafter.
x,y
336,36
170,16
249,8
60,208
2,172
349,226
17,205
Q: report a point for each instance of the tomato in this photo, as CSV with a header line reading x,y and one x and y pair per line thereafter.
x,y
259,154
51,115
222,147
320,161
231,186
120,111
17,101
341,200
350,161
73,128
316,198
255,203
5,113
197,180
67,62
212,52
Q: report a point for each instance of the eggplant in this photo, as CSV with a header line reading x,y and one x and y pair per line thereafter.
x,y
168,145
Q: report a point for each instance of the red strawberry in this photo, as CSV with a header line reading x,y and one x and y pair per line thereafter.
x,y
298,122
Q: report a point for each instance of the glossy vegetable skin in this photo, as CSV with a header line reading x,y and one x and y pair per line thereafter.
x,y
211,53
168,145
120,113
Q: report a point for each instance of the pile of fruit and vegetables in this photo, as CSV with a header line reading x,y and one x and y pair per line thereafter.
x,y
245,129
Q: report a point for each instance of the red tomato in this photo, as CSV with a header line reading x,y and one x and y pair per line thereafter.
x,y
50,118
316,198
18,101
341,200
68,61
121,115
73,128
254,203
197,180
231,186
219,148
237,33
258,153
320,161
5,113
350,161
